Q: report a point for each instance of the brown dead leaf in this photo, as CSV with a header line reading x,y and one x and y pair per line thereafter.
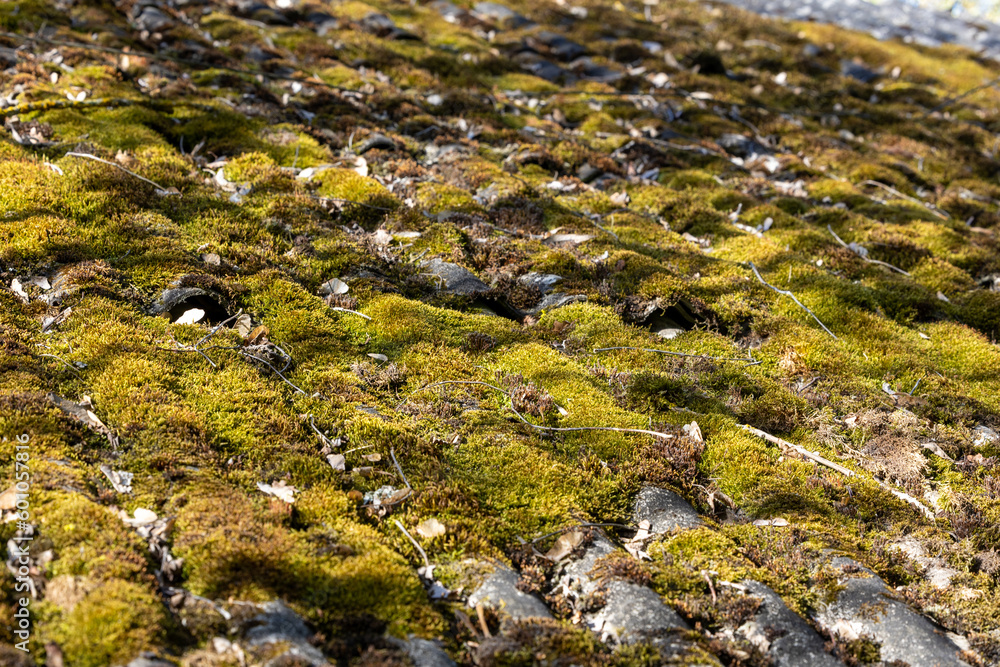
x,y
564,545
258,335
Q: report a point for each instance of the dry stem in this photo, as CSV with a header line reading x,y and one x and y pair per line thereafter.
x,y
864,257
789,294
788,447
160,190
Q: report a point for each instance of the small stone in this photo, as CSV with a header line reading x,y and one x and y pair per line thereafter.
x,y
669,333
453,279
557,45
152,19
864,608
143,516
633,613
502,15
543,281
279,628
423,652
377,141
588,173
741,146
665,510
857,71
782,634
500,592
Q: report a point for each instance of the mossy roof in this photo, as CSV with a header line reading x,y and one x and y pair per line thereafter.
x,y
254,155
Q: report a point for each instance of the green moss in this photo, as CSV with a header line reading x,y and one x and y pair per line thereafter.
x,y
93,541
259,171
199,432
941,276
115,622
693,178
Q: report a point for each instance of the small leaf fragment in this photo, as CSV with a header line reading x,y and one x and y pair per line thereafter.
x,y
779,522
334,286
15,286
431,528
141,517
8,499
281,490
258,335
694,432
396,497
121,480
244,325
564,545
337,461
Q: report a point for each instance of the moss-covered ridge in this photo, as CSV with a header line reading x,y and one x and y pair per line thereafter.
x,y
280,148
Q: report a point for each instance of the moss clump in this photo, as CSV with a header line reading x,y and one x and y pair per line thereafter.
x,y
112,624
399,400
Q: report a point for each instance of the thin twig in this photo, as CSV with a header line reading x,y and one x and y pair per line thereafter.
x,y
159,188
348,310
785,292
594,222
279,373
711,587
207,358
788,447
951,100
939,213
288,357
560,429
808,384
217,327
392,453
325,440
68,365
866,257
482,620
677,354
423,553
